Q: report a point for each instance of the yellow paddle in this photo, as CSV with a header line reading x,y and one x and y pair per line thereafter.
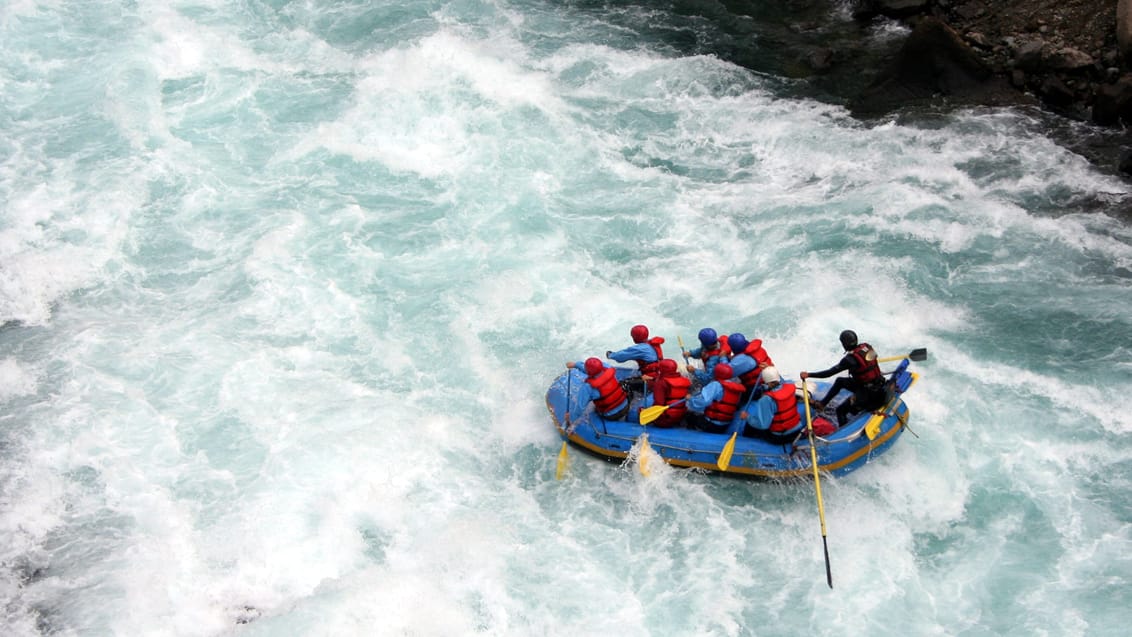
x,y
563,456
563,462
643,456
649,414
817,481
725,455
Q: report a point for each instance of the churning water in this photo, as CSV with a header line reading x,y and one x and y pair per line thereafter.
x,y
283,284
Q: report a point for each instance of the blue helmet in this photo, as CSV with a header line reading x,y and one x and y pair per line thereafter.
x,y
737,342
708,337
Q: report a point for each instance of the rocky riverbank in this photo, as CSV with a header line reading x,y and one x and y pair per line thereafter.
x,y
1062,55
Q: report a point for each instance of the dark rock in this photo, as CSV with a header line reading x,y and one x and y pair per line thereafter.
x,y
868,9
1113,103
1069,59
1125,165
820,60
970,10
1055,92
1030,55
934,61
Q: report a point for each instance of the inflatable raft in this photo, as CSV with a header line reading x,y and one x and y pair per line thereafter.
x,y
863,438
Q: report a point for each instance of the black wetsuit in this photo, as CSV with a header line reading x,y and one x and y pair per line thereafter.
x,y
866,397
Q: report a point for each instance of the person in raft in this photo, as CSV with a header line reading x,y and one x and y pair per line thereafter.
x,y
865,379
644,351
669,388
774,416
713,350
602,387
748,360
717,405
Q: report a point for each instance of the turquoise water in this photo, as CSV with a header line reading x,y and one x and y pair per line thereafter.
x,y
283,285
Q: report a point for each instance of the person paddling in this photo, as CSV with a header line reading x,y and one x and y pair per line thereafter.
x,y
865,379
713,350
644,351
603,388
717,404
748,360
774,416
670,388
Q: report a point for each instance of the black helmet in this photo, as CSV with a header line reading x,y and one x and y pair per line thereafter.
x,y
848,339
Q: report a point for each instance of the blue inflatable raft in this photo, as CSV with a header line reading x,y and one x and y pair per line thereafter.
x,y
850,447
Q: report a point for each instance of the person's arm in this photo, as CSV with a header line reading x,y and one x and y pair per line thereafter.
x,y
843,365
708,395
640,351
760,413
742,364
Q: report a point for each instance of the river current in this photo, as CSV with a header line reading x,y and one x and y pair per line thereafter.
x,y
283,285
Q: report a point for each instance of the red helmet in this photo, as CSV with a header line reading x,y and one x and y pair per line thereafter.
x,y
640,333
594,366
723,371
668,367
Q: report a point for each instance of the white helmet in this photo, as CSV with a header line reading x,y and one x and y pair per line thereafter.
x,y
771,376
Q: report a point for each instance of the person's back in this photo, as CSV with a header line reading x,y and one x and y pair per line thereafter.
x,y
670,388
748,360
603,389
645,352
717,404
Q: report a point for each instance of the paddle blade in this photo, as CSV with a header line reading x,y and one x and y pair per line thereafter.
x,y
563,462
918,354
725,455
872,428
643,455
649,414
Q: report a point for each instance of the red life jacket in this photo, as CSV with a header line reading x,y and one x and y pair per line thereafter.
x,y
610,393
722,349
786,416
671,389
762,359
867,371
723,410
653,368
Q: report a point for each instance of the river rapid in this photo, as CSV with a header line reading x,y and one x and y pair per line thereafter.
x,y
283,285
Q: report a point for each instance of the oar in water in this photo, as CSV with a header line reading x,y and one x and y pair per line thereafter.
x,y
817,481
643,456
918,354
563,455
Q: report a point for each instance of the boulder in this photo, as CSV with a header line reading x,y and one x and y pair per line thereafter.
x,y
934,61
1113,103
866,10
1124,29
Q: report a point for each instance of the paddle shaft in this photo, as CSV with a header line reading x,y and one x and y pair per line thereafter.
x,y
817,483
563,454
918,354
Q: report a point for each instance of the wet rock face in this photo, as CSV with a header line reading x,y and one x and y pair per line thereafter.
x,y
933,64
1063,53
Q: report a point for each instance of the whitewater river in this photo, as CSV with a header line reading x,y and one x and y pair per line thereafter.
x,y
283,284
